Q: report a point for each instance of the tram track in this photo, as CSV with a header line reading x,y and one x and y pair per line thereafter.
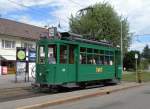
x,y
9,94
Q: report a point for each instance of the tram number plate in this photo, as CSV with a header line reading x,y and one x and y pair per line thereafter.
x,y
99,69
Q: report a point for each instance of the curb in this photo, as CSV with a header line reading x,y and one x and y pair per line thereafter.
x,y
74,98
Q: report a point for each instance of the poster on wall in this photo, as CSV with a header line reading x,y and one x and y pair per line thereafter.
x,y
21,68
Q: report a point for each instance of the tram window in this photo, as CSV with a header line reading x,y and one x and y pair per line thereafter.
x,y
107,53
63,54
106,62
95,51
101,51
42,54
52,54
90,59
111,53
97,59
71,55
89,50
111,61
82,49
101,60
83,58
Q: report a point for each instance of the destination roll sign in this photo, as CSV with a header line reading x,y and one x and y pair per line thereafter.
x,y
21,54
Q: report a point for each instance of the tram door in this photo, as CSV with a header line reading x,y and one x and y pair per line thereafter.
x,y
118,67
67,64
72,62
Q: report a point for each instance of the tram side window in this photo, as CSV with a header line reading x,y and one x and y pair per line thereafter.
x,y
90,56
97,58
109,58
106,60
83,58
41,54
63,54
90,59
71,54
52,54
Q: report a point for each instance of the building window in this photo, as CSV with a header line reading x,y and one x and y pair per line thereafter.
x,y
27,45
8,44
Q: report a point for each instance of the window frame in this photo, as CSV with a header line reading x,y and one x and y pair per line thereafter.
x,y
67,59
39,55
12,44
101,54
54,53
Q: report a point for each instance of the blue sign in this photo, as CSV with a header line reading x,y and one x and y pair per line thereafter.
x,y
32,55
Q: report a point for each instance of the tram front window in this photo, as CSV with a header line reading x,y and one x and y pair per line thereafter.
x,y
52,54
42,55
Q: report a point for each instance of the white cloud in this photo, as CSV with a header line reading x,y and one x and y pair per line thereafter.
x,y
137,12
13,5
28,20
35,2
6,6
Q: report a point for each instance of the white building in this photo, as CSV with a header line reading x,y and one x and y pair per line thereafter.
x,y
14,34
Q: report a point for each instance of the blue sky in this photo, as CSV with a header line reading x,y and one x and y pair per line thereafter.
x,y
51,12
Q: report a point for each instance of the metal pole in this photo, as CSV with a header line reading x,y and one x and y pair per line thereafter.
x,y
121,43
136,71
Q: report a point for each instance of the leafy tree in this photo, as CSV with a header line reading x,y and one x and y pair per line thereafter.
x,y
144,64
146,53
129,60
100,22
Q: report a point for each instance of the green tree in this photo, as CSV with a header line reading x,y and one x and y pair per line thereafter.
x,y
146,53
100,22
129,60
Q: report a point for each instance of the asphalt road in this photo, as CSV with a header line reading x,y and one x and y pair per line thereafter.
x,y
136,98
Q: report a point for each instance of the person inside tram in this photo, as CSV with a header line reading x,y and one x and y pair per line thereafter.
x,y
81,59
93,61
52,60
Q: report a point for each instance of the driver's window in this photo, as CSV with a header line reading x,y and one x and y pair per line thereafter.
x,y
52,54
41,54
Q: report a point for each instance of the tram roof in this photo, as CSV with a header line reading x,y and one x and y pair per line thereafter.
x,y
79,38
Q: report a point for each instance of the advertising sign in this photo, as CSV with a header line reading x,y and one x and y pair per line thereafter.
x,y
32,55
4,70
21,54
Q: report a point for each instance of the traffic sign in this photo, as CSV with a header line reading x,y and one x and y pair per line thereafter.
x,y
136,56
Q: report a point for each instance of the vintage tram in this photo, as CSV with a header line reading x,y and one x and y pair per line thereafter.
x,y
71,60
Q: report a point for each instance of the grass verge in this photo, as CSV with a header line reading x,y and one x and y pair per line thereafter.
x,y
131,77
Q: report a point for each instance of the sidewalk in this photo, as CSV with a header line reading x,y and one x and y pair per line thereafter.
x,y
8,81
38,102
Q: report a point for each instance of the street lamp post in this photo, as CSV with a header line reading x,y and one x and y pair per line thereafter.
x,y
136,57
121,44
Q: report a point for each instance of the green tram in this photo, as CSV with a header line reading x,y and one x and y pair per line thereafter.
x,y
76,61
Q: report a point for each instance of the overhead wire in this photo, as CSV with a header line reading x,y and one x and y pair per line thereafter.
x,y
141,35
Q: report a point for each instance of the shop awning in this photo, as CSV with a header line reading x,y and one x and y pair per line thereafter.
x,y
8,57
